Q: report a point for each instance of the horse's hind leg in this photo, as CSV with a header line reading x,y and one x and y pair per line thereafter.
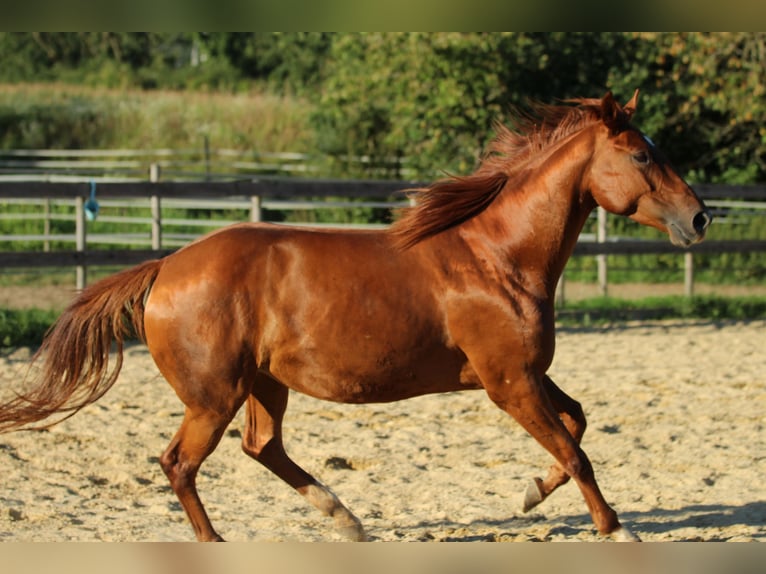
x,y
262,440
571,414
198,436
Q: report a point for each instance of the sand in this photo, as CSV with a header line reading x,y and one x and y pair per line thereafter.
x,y
676,436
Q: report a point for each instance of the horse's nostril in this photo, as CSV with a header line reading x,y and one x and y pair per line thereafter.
x,y
701,221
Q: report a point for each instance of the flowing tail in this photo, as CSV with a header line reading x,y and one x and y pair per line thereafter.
x,y
75,354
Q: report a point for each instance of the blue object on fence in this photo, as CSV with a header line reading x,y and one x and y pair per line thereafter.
x,y
91,206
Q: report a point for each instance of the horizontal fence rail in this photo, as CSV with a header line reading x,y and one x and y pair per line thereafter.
x,y
255,194
212,164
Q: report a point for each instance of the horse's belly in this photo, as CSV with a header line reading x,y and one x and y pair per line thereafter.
x,y
364,376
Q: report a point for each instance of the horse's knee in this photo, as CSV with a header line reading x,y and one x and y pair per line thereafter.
x,y
578,466
168,461
181,474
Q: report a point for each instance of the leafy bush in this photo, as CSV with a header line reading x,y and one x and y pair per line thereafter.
x,y
19,327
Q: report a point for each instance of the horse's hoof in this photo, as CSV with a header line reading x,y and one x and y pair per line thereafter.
x,y
534,495
622,534
352,533
349,526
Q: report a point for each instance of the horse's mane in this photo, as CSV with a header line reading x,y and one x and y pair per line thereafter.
x,y
452,200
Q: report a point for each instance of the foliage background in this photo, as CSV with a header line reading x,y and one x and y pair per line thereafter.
x,y
415,105
428,98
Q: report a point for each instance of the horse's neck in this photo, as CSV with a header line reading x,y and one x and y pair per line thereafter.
x,y
532,226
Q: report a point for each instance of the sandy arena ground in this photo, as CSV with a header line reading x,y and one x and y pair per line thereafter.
x,y
676,436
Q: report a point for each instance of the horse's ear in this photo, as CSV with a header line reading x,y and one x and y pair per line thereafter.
x,y
632,105
612,114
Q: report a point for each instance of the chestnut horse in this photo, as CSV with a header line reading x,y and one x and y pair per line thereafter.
x,y
457,294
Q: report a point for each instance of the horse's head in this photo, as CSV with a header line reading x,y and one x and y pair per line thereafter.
x,y
630,176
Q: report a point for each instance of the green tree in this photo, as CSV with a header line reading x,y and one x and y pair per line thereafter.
x,y
703,100
432,97
286,62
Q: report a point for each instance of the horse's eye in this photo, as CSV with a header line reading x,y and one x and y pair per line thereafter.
x,y
641,157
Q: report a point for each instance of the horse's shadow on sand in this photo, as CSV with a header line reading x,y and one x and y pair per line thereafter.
x,y
699,515
657,521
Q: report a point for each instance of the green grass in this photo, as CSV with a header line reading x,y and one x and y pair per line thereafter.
x,y
22,327
604,310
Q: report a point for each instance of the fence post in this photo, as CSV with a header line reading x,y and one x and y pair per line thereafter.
x,y
156,222
154,172
79,237
206,142
560,299
255,208
154,177
601,258
688,274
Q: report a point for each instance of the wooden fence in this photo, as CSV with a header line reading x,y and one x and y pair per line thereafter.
x,y
260,193
126,165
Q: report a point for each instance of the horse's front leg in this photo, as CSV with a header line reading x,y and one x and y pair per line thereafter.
x,y
571,414
525,397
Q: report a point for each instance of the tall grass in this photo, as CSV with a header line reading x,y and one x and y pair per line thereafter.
x,y
62,116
